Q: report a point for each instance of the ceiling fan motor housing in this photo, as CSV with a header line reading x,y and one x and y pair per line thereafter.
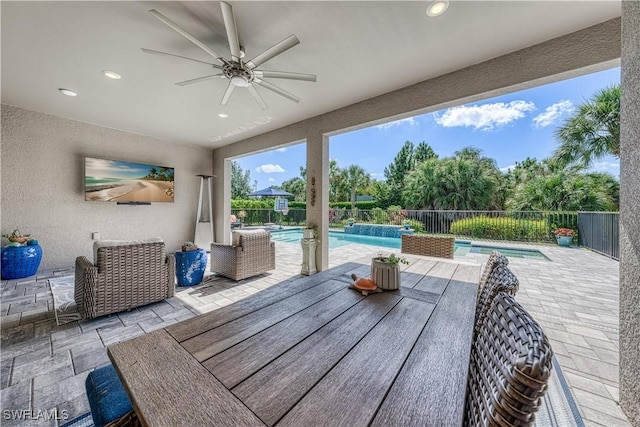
x,y
239,74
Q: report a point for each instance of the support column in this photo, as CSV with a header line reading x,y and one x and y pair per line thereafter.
x,y
630,213
221,198
318,193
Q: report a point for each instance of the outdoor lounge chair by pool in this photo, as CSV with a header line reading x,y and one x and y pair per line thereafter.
x,y
251,252
125,274
420,244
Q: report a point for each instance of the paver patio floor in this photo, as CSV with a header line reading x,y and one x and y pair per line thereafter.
x,y
573,295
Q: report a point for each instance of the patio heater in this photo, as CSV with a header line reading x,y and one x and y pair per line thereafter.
x,y
204,219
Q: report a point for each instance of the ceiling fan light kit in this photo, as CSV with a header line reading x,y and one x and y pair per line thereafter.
x,y
239,73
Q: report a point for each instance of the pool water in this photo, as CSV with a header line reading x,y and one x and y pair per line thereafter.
x,y
462,248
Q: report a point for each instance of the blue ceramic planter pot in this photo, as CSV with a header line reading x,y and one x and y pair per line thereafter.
x,y
564,240
20,261
190,266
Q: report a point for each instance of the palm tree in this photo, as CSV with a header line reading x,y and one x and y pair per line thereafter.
x,y
593,132
356,177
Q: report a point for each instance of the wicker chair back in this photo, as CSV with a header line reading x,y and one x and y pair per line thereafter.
x,y
494,259
509,369
501,279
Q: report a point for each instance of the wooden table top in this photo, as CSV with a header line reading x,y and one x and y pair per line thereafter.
x,y
310,351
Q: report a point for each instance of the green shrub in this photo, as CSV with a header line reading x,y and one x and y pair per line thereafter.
x,y
417,226
378,216
360,205
483,227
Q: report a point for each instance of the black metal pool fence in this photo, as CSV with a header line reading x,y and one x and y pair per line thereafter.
x,y
596,230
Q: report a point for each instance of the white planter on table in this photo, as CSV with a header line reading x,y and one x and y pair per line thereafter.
x,y
385,275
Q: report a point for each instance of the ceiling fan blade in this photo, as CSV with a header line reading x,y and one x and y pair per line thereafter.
x,y
285,75
157,52
277,90
274,50
184,33
201,79
227,93
232,30
252,90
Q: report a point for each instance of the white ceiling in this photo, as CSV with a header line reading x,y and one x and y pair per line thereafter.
x,y
357,49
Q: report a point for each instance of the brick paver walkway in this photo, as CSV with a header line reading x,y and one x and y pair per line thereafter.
x,y
574,296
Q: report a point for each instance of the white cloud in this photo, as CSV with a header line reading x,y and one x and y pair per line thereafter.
x,y
553,113
281,150
507,168
270,168
377,175
409,120
271,179
484,117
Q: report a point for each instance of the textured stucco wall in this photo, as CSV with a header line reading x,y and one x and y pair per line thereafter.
x,y
630,214
42,185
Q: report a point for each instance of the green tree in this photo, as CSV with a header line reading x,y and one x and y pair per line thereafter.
x,y
356,177
296,186
593,131
240,181
490,168
453,183
395,173
423,152
567,190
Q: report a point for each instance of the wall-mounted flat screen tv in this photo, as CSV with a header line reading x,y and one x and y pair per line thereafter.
x,y
126,182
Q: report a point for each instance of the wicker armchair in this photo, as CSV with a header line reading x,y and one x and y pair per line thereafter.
x,y
420,244
501,279
251,252
494,259
509,369
126,274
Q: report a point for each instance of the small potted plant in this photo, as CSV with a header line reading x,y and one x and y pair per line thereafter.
x,y
350,221
189,246
241,215
407,224
17,237
385,271
564,236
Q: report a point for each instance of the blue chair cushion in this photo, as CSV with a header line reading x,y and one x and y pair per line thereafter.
x,y
107,398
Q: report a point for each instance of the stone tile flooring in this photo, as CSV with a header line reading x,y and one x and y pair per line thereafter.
x,y
574,296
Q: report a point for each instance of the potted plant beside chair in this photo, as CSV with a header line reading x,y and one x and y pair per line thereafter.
x,y
564,236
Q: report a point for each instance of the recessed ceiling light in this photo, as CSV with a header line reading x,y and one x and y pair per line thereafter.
x,y
223,115
437,8
112,75
68,92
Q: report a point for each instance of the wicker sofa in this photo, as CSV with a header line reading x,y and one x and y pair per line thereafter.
x,y
125,274
251,252
420,244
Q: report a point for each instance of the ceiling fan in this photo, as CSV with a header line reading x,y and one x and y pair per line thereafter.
x,y
239,72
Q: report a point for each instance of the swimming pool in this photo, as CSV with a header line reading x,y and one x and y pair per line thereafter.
x,y
462,248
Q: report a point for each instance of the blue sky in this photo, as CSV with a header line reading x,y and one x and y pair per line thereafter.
x,y
507,128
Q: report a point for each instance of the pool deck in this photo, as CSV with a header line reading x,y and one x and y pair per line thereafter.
x,y
573,295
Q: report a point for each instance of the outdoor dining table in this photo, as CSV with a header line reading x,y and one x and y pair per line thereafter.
x,y
309,351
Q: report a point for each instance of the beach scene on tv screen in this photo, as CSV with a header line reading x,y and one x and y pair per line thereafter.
x,y
117,181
